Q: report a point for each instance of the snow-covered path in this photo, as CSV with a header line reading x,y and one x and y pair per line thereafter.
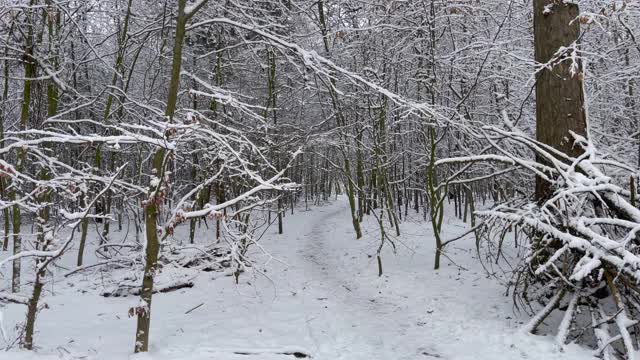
x,y
322,297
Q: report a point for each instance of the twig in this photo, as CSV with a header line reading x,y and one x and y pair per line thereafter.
x,y
193,308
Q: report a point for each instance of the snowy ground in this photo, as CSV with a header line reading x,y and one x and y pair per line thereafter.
x,y
322,296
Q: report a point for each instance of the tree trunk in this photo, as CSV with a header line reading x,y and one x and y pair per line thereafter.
x,y
32,309
151,221
83,231
559,90
3,181
29,73
151,264
44,198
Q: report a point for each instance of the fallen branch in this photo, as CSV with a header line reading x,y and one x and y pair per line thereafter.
x,y
533,324
134,290
296,353
15,299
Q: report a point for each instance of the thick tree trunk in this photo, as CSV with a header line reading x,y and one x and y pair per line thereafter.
x,y
559,89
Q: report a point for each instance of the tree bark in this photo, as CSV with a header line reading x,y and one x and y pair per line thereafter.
x,y
559,87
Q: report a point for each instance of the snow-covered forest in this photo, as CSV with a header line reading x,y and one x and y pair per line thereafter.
x,y
325,179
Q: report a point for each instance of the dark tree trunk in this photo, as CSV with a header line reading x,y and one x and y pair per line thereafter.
x,y
559,93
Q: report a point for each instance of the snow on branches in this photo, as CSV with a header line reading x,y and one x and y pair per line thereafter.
x,y
583,251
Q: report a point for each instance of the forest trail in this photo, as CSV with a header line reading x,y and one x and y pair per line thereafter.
x,y
412,311
320,295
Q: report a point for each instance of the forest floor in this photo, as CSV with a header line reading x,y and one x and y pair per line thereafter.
x,y
320,295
